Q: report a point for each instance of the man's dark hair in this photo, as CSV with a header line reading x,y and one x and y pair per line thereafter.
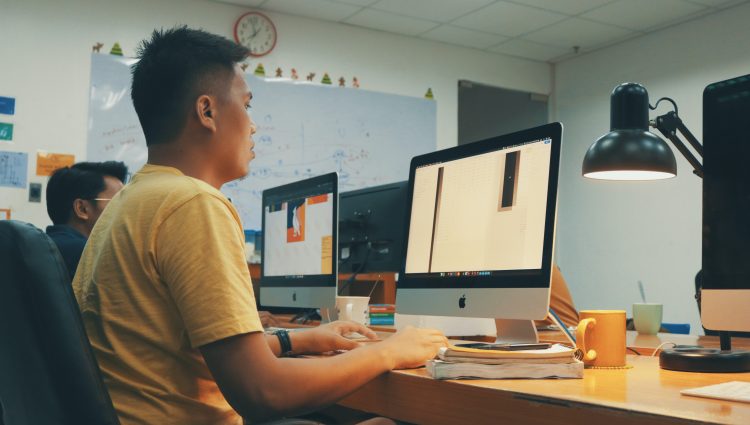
x,y
84,180
175,67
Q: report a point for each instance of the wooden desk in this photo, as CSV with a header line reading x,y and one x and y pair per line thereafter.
x,y
645,344
644,394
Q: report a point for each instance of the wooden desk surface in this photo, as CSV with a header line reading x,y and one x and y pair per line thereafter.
x,y
645,394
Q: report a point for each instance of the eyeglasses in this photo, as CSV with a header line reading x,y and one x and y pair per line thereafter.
x,y
100,199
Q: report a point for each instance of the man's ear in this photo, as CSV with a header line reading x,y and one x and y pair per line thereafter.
x,y
205,108
81,209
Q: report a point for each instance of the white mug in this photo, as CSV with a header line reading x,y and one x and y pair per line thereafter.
x,y
353,308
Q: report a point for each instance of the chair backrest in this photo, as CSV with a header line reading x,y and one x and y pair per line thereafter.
x,y
48,373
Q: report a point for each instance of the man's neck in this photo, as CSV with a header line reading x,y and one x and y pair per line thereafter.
x,y
189,161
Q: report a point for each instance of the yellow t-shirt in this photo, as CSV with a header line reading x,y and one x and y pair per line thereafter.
x,y
163,273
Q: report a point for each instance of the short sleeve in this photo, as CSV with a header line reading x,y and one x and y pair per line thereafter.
x,y
199,255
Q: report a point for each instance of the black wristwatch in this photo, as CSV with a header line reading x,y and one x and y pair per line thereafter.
x,y
284,341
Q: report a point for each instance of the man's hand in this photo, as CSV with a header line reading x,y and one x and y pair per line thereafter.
x,y
328,337
412,347
267,319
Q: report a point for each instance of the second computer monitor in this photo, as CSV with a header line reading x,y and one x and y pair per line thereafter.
x,y
371,229
300,229
481,228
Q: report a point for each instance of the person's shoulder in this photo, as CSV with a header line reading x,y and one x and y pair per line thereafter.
x,y
162,192
172,184
62,234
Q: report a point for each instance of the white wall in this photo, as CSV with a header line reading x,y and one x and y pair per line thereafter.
x,y
612,234
45,50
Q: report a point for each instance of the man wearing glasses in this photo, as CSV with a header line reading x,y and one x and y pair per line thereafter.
x,y
76,197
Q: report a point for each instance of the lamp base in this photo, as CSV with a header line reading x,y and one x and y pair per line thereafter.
x,y
698,359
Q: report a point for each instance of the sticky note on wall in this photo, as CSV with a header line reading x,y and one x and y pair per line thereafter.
x,y
7,105
6,131
47,163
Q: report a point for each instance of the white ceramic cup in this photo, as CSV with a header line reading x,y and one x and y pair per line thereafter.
x,y
647,318
353,308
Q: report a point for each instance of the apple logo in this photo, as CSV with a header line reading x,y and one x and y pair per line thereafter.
x,y
294,296
462,301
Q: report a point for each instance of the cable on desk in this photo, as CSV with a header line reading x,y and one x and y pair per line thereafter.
x,y
660,346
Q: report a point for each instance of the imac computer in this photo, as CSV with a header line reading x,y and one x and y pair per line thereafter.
x,y
371,229
725,297
298,257
480,231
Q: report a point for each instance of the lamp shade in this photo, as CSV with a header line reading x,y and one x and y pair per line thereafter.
x,y
629,151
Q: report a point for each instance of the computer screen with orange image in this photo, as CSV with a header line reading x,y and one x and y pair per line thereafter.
x,y
298,257
299,236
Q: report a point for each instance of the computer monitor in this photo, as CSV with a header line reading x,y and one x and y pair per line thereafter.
x,y
726,206
480,231
298,259
371,229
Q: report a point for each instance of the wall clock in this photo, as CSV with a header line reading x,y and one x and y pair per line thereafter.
x,y
257,32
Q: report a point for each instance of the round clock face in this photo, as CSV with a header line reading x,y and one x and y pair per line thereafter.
x,y
256,32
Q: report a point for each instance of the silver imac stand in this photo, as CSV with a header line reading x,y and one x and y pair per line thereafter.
x,y
512,331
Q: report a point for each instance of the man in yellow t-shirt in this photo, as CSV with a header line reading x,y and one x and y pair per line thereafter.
x,y
163,286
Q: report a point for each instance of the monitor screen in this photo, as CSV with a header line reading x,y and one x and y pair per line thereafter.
x,y
726,192
299,233
726,205
483,213
371,229
481,216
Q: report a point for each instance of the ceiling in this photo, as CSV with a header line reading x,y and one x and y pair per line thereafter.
x,y
541,30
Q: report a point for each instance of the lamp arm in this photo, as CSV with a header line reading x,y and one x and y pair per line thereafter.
x,y
668,125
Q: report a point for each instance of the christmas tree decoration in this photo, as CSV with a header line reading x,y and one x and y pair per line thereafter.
x,y
429,95
97,47
310,76
342,82
243,67
259,71
326,79
116,50
294,74
278,72
355,83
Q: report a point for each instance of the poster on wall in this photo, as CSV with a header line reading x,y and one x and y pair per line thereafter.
x,y
47,163
13,169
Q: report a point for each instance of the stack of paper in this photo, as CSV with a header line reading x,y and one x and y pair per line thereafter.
x,y
454,362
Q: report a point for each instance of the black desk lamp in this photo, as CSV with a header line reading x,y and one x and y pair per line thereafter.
x,y
631,152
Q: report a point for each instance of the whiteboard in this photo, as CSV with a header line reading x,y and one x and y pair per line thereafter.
x,y
304,130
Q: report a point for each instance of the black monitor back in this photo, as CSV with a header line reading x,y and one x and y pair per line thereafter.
x,y
371,228
726,185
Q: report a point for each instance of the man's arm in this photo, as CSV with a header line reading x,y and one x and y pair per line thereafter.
x,y
260,386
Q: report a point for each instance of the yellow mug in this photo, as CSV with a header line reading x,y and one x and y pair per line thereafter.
x,y
601,336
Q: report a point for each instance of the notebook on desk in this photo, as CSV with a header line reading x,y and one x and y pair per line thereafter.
x,y
455,362
732,391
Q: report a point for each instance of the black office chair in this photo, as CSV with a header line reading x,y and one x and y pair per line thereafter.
x,y
48,373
